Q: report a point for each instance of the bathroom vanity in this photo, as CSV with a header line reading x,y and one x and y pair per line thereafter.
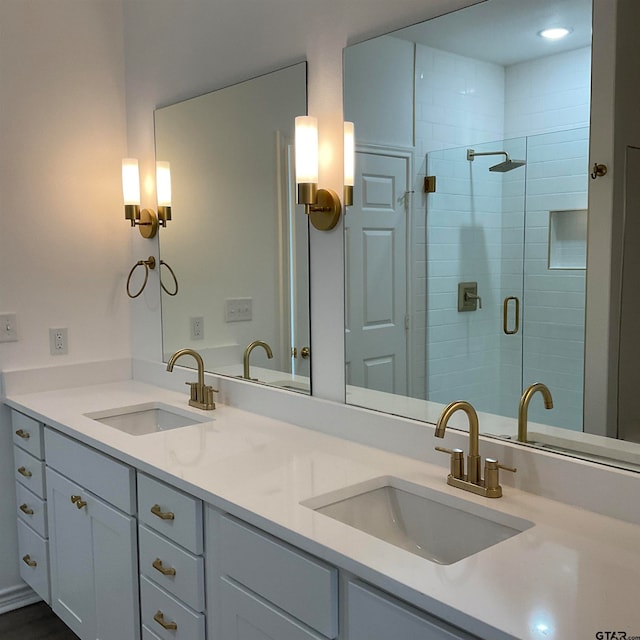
x,y
222,525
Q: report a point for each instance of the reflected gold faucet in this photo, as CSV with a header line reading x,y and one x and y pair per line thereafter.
x,y
201,394
473,482
523,409
247,353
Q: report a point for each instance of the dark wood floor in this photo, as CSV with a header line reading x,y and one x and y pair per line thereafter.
x,y
35,622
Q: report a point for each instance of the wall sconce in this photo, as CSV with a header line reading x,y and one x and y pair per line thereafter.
x,y
349,163
321,205
146,219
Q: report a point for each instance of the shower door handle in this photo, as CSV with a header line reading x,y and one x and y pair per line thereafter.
x,y
505,315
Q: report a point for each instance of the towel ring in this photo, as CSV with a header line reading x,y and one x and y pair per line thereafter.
x,y
173,275
147,264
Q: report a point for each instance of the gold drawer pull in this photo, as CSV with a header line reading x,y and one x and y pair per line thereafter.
x,y
157,565
163,515
28,561
78,501
169,626
25,509
25,472
23,434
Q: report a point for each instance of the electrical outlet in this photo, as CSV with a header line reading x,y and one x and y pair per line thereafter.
x,y
8,328
197,328
239,309
58,344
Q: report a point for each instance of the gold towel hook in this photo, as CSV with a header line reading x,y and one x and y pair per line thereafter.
x,y
147,264
173,275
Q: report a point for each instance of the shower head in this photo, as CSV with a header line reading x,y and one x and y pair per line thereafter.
x,y
507,165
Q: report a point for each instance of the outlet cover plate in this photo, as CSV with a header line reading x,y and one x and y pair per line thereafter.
x,y
58,344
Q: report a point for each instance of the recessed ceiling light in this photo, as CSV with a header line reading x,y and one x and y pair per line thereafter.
x,y
554,34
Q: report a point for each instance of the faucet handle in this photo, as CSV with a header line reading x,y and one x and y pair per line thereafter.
x,y
457,461
194,390
492,476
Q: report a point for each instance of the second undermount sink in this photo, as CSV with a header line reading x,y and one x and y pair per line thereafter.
x,y
431,524
150,417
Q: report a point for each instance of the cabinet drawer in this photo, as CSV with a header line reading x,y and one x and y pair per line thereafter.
x,y
373,615
188,581
34,560
159,608
29,471
244,616
105,477
147,634
28,434
182,521
31,509
292,580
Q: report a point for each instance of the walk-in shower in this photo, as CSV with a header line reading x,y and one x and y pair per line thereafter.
x,y
501,167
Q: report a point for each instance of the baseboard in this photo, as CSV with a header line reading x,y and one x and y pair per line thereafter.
x,y
17,597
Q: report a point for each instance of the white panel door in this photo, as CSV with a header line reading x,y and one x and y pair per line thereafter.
x,y
376,275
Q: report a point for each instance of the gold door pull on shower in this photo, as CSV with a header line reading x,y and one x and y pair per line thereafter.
x,y
505,316
163,515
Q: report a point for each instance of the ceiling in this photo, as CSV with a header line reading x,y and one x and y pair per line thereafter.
x,y
505,31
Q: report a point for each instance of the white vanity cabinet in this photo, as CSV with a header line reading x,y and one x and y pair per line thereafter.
x,y
171,562
374,615
261,587
33,545
93,541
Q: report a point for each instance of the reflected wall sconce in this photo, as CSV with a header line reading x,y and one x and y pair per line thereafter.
x,y
349,163
147,220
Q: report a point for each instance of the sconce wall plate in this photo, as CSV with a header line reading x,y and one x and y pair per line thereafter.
x,y
148,224
325,213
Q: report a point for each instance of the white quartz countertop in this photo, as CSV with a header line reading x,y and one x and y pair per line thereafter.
x,y
573,575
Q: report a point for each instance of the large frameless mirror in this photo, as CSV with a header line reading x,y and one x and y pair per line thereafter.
x,y
237,242
466,245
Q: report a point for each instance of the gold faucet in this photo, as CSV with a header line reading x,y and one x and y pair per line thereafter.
x,y
490,486
201,394
523,409
247,352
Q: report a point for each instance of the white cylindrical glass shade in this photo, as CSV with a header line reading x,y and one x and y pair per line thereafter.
x,y
306,150
130,181
163,184
349,155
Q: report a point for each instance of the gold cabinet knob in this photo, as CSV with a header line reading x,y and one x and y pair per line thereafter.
x,y
305,353
25,435
28,561
169,626
25,509
165,571
78,501
163,515
23,471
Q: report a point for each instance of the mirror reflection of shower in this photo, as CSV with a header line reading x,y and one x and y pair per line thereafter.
x,y
502,167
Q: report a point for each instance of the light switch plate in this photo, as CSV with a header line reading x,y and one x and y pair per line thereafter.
x,y
238,309
8,328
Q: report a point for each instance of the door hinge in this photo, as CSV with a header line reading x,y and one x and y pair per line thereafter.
x,y
430,184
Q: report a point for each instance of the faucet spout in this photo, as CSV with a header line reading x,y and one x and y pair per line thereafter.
x,y
201,394
247,353
473,458
523,408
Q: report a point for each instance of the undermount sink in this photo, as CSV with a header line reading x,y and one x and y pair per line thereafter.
x,y
428,523
142,419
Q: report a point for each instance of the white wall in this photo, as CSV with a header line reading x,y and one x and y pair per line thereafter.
x,y
64,245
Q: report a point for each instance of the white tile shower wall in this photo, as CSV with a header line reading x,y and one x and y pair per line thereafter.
x,y
554,299
458,101
548,94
